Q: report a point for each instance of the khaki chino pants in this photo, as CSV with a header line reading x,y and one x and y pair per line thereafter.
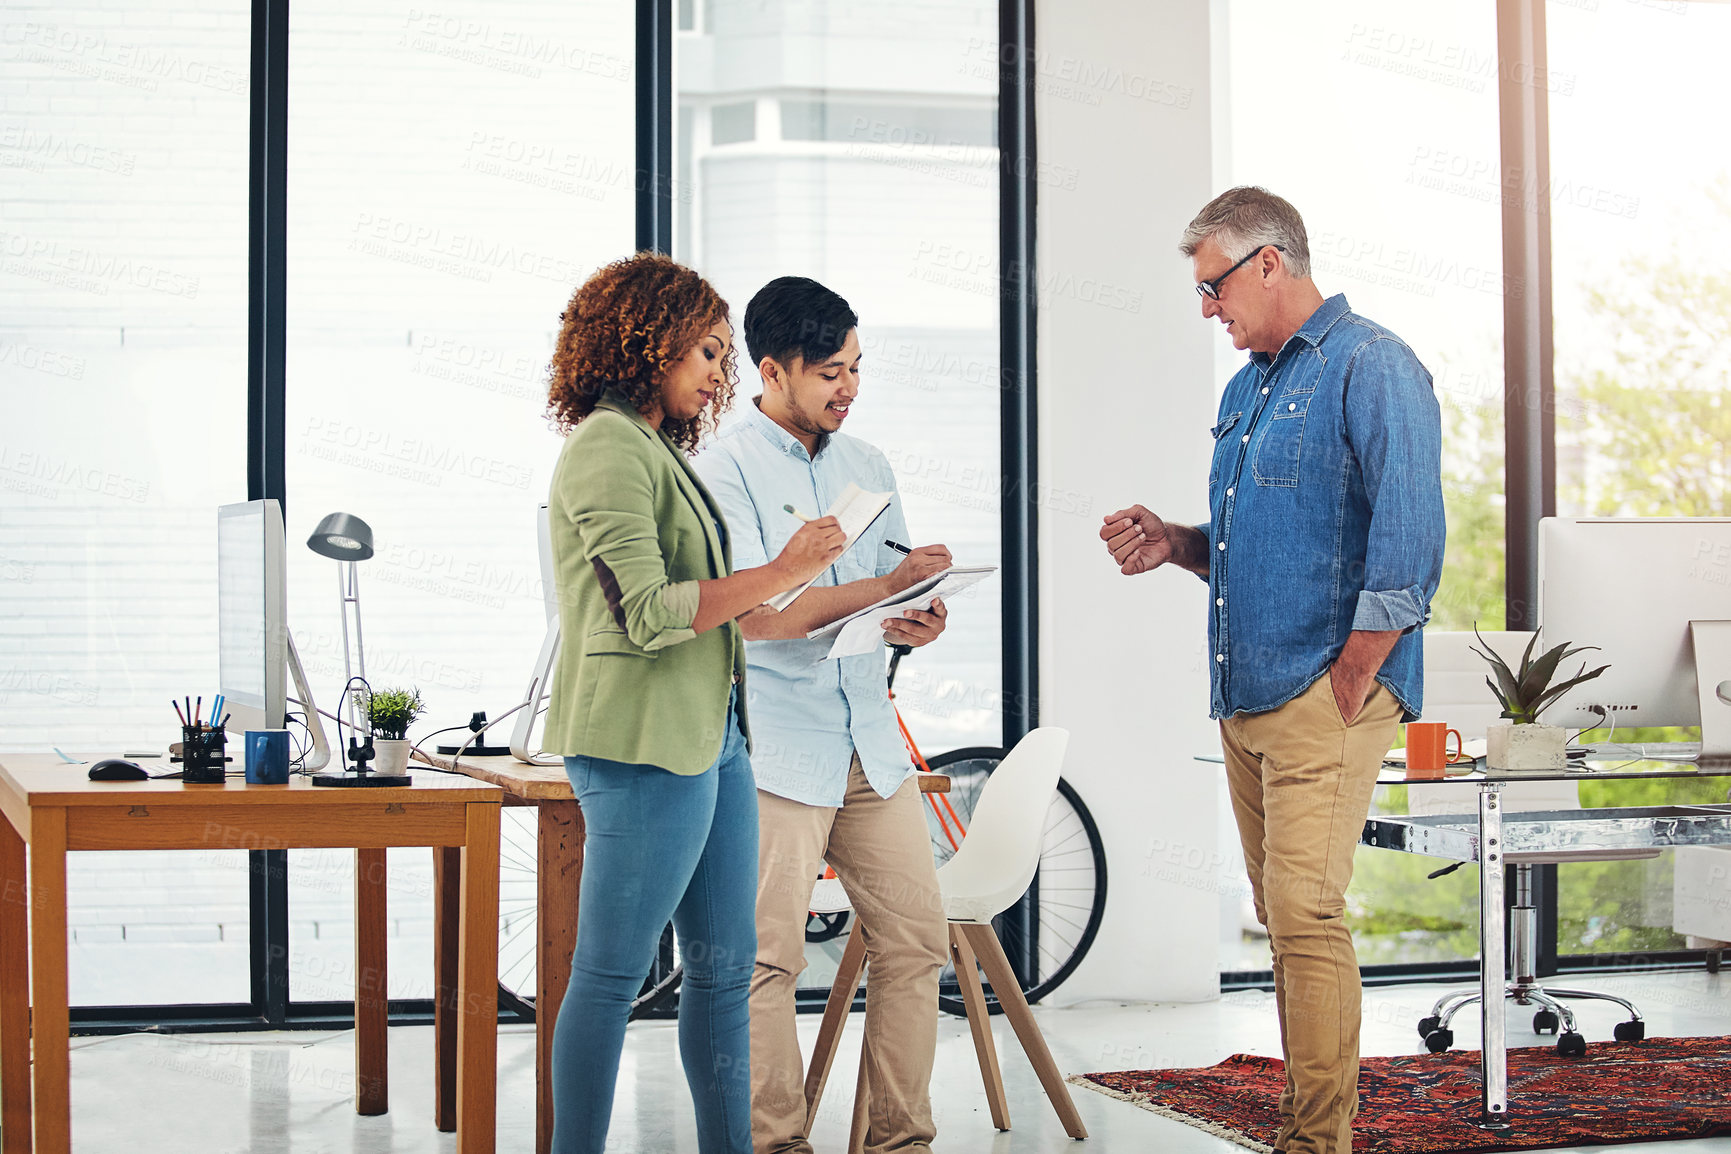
x,y
1301,780
882,853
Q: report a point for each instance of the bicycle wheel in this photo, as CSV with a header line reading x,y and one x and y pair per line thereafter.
x,y
659,996
1049,930
519,910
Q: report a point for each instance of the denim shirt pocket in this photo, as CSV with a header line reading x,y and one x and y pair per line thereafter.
x,y
1217,432
1281,445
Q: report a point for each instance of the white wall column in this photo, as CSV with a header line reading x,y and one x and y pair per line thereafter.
x,y
1127,396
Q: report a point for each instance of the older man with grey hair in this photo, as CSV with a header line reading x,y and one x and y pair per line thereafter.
x,y
1322,551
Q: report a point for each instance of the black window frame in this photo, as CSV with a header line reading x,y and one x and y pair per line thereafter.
x,y
271,1005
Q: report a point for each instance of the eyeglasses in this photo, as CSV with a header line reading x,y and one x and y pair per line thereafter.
x,y
1210,289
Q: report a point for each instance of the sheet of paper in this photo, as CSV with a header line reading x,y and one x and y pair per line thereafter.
x,y
855,509
863,632
1474,747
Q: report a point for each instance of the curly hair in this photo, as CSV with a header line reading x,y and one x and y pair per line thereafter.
x,y
625,328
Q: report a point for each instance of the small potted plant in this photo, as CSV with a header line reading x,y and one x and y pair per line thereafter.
x,y
390,712
1522,742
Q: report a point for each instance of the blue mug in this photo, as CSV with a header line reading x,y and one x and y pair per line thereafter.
x,y
267,756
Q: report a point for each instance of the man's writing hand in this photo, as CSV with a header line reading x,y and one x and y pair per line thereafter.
x,y
918,565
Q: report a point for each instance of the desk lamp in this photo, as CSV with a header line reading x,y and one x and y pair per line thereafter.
x,y
346,539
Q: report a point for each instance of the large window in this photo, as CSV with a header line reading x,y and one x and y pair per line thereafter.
x,y
122,364
453,177
1640,213
1637,211
856,144
1392,158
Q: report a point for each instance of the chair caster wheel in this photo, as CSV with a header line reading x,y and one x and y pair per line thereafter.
x,y
1630,1032
1546,1022
1426,1025
1571,1046
1439,1040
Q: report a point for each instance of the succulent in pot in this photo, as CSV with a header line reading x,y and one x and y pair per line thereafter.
x,y
1523,742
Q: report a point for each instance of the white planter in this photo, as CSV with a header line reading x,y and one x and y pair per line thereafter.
x,y
1515,748
390,755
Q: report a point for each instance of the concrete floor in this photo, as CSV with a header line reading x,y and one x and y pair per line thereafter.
x,y
291,1093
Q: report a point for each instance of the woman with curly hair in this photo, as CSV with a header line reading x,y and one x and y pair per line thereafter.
x,y
647,704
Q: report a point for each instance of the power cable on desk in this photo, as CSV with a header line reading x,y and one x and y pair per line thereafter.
x,y
301,750
306,751
1633,754
416,748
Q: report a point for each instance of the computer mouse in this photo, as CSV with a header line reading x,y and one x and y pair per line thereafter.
x,y
117,769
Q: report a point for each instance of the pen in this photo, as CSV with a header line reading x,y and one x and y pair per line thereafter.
x,y
216,709
178,713
797,513
198,709
223,724
897,546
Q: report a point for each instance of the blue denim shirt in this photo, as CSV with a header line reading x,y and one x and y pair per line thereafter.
x,y
809,715
1326,512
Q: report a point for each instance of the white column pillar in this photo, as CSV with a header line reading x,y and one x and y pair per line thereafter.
x,y
1127,396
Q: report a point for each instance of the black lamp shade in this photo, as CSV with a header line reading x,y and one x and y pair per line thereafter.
x,y
342,537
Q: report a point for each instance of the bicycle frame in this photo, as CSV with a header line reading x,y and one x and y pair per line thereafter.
x,y
940,803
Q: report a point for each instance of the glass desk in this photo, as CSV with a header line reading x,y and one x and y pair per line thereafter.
x,y
1488,837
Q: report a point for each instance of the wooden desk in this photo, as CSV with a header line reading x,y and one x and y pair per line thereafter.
x,y
558,878
558,874
54,808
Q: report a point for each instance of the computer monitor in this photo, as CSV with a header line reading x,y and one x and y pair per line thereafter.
x,y
255,652
1654,594
251,597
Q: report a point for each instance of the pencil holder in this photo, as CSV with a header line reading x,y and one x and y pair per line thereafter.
x,y
202,754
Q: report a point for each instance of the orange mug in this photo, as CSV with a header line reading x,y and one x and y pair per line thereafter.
x,y
1427,748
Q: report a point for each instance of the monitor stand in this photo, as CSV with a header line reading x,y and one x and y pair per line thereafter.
x,y
1713,684
540,683
320,754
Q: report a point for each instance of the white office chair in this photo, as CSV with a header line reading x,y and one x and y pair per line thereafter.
x,y
992,869
1455,692
1701,899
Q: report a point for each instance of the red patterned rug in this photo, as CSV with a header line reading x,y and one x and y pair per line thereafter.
x,y
1417,1103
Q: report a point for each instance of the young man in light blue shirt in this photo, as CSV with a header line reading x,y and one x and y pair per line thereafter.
x,y
833,775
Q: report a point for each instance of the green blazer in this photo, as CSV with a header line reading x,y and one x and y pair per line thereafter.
x,y
633,531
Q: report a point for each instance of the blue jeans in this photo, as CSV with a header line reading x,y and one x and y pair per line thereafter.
x,y
662,847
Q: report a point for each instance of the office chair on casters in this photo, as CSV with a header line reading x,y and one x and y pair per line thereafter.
x,y
1523,988
992,869
1455,692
